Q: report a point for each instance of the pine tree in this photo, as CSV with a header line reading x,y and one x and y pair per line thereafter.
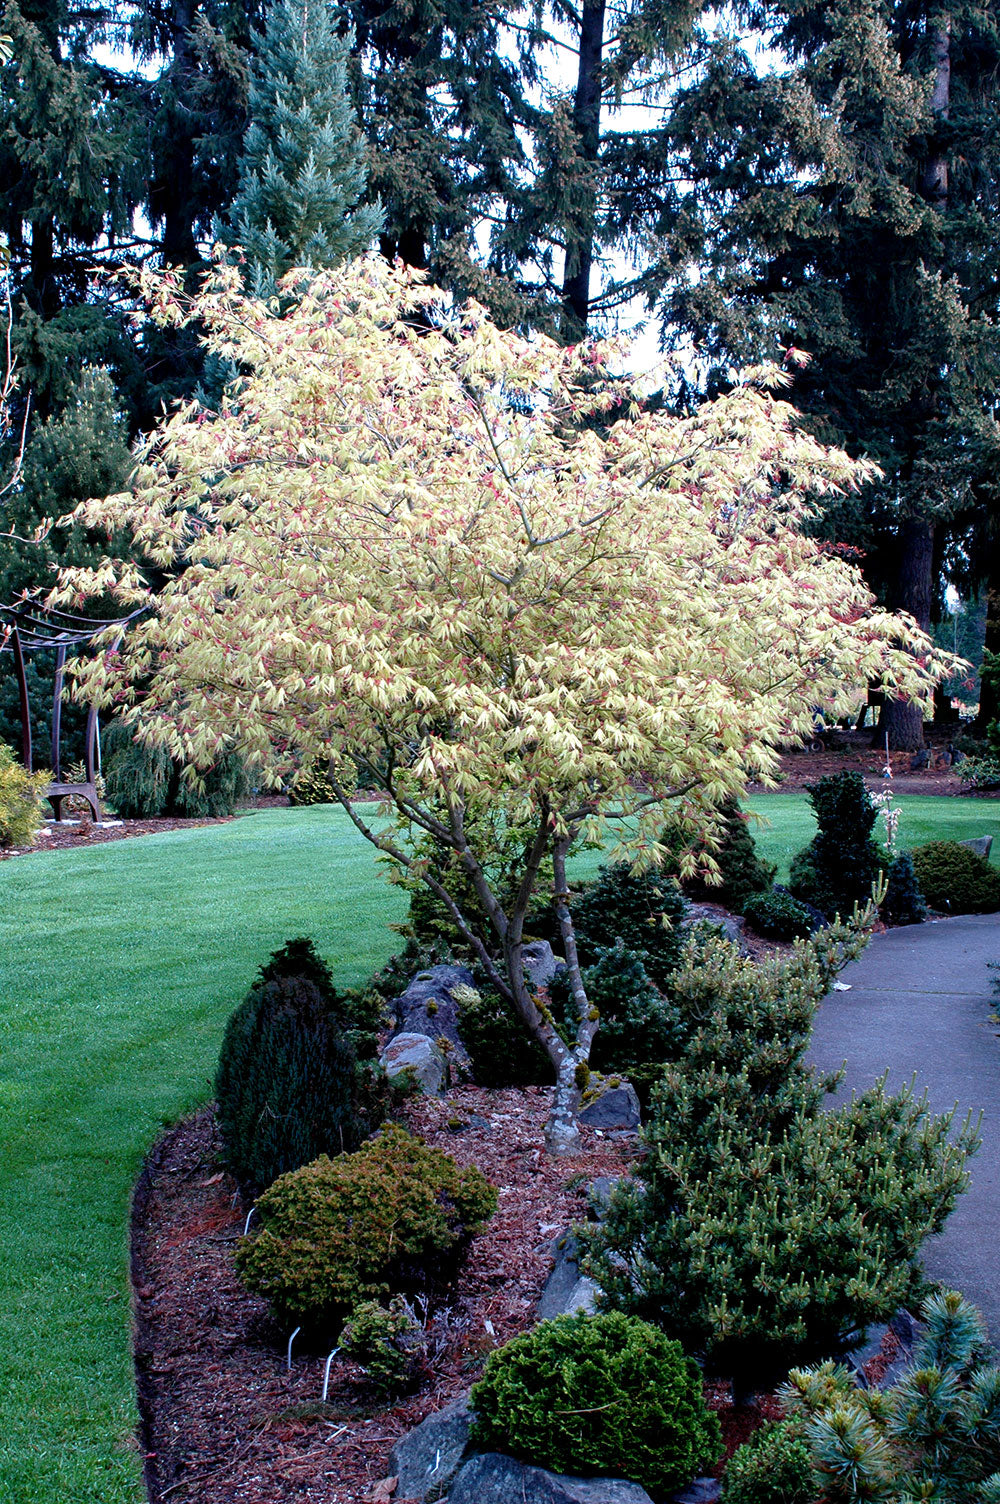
x,y
843,202
302,172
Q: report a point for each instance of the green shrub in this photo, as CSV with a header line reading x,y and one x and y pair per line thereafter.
x,y
903,902
501,1051
289,1084
837,869
956,879
778,915
21,806
311,785
430,921
741,869
981,771
143,782
645,911
393,1217
605,1395
759,1228
388,1343
773,1467
934,1436
639,1027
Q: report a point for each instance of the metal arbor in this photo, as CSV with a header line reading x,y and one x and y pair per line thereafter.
x,y
28,628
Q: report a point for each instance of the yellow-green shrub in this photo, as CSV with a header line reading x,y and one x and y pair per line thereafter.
x,y
395,1216
20,800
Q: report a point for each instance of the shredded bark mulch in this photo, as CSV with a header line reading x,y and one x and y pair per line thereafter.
x,y
222,1419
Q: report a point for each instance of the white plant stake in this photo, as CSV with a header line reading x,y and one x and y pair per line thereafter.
x,y
288,1355
883,801
246,1225
326,1374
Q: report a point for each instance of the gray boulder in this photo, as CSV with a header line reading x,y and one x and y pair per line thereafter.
x,y
599,1196
701,1491
492,1478
427,1458
614,1108
541,963
730,925
981,845
566,1289
428,1007
418,1054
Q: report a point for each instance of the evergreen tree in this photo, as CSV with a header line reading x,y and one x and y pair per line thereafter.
x,y
302,171
842,201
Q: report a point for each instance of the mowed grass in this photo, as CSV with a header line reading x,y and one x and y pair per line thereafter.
x,y
119,966
925,817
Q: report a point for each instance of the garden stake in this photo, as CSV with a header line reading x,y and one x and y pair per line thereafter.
x,y
246,1225
326,1374
288,1358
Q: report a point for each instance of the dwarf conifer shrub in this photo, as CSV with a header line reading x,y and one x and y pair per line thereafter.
x,y
644,910
956,879
778,915
773,1467
605,1394
387,1343
639,1027
289,1084
144,782
742,872
311,785
501,1051
903,902
934,1436
760,1229
838,867
21,792
394,1217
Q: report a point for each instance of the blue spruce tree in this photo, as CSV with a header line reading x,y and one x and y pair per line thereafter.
x,y
302,173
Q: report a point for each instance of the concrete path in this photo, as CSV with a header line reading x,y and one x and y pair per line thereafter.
x,y
920,1003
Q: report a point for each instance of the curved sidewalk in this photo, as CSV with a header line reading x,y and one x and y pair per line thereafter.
x,y
920,1004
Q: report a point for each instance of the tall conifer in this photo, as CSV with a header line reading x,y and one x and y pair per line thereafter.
x,y
302,172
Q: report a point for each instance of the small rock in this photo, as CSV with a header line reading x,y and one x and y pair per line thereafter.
x,y
492,1478
730,925
981,845
566,1289
428,1007
599,1195
541,963
427,1458
615,1107
701,1491
416,1053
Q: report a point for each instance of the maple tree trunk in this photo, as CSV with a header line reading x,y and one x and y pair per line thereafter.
x,y
587,123
903,720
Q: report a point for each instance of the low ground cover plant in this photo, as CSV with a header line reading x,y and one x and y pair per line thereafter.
x,y
21,807
759,1229
955,879
934,1436
605,1394
291,1083
392,1218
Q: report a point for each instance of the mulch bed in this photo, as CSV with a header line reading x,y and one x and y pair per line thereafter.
x,y
222,1418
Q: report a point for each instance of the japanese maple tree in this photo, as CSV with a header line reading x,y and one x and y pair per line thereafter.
x,y
472,572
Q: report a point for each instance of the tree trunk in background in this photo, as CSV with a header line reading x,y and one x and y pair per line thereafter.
x,y
989,699
902,719
587,124
178,167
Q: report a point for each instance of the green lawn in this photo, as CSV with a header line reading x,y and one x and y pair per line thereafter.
x,y
120,965
925,817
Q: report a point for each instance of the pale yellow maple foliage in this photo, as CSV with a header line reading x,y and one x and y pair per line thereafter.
x,y
470,570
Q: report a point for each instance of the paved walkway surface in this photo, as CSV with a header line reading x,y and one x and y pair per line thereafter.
x,y
920,1003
